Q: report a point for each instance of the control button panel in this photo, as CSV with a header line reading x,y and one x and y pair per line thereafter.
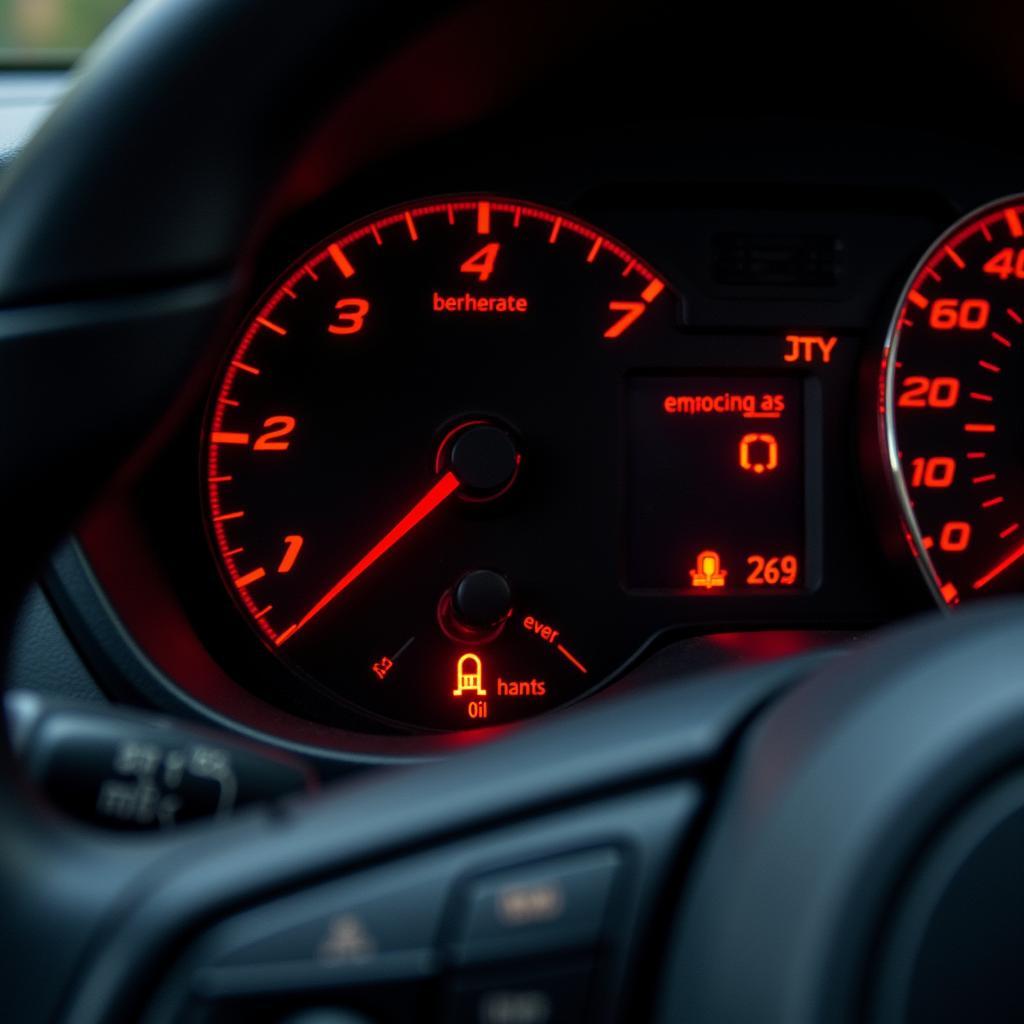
x,y
554,995
553,905
533,923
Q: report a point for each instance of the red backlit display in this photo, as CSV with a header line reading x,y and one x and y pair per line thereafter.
x,y
716,484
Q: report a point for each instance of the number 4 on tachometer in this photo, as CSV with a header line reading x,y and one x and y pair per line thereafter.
x,y
482,263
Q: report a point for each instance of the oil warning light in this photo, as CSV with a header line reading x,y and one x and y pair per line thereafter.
x,y
469,674
709,572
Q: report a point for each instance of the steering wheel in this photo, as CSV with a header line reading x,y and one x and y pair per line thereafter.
x,y
824,838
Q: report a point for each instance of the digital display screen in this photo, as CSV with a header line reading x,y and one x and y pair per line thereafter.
x,y
716,485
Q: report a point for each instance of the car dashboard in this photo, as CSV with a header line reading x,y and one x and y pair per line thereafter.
x,y
533,401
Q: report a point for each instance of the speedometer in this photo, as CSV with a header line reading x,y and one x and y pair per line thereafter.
x,y
953,413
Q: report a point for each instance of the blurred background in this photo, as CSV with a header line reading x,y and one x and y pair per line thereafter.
x,y
51,33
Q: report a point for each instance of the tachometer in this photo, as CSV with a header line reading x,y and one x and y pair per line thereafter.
x,y
953,413
411,455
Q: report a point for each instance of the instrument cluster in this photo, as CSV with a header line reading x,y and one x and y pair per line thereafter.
x,y
477,456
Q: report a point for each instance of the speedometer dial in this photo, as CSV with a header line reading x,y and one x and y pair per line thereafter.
x,y
953,409
411,458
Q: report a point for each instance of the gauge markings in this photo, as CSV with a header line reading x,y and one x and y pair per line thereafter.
x,y
250,577
341,261
652,291
483,218
341,447
571,658
270,325
954,256
944,384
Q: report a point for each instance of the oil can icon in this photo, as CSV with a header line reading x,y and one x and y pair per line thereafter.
x,y
469,673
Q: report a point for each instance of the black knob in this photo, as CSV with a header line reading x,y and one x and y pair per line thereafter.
x,y
485,460
482,599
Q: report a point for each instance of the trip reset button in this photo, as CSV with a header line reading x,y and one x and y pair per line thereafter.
x,y
557,904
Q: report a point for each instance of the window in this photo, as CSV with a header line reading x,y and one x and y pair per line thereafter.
x,y
51,33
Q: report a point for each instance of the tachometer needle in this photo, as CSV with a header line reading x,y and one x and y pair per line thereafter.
x,y
443,488
1000,568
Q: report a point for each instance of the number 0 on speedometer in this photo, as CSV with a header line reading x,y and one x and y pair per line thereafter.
x,y
953,410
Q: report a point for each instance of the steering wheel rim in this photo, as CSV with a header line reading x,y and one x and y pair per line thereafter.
x,y
165,277
829,804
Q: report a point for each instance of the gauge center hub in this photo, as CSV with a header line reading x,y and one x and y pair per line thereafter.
x,y
484,458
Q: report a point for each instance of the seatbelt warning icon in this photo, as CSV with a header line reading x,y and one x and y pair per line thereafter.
x,y
469,675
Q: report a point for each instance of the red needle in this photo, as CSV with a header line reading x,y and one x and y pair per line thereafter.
x,y
442,489
1001,567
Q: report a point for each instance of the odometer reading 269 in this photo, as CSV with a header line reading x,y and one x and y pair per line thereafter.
x,y
408,452
954,406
